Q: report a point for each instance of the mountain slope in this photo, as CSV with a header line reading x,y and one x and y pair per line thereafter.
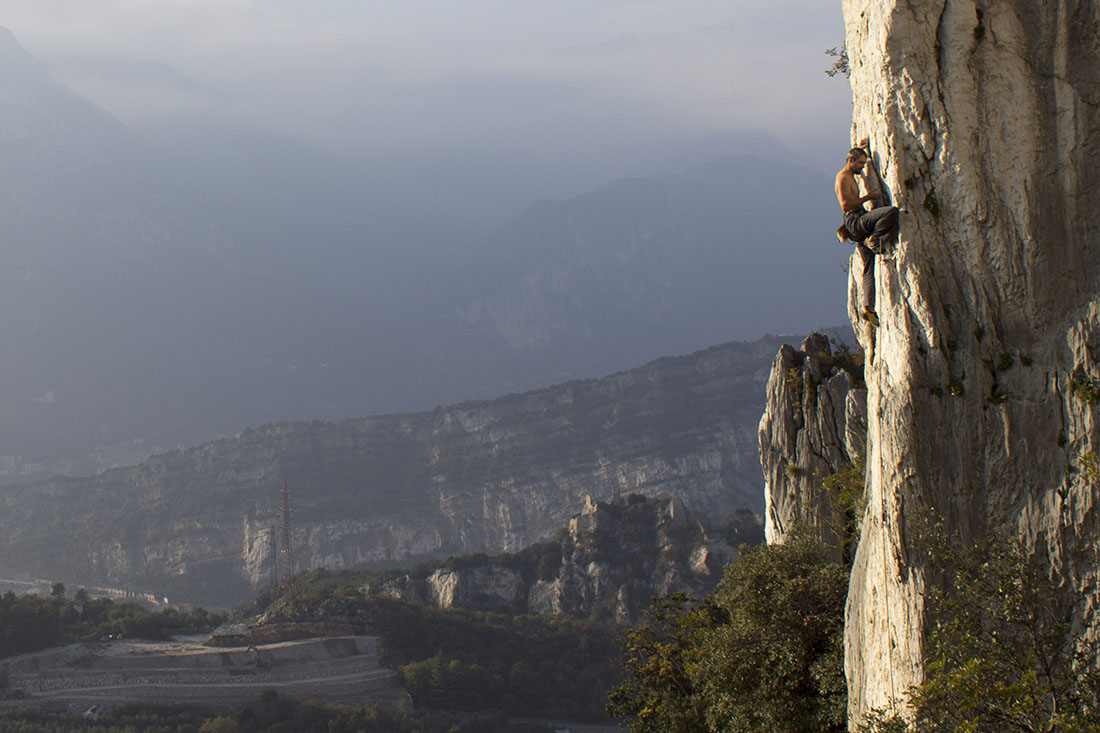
x,y
180,285
472,477
668,263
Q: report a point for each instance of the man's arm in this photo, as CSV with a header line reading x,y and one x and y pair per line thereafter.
x,y
847,192
870,176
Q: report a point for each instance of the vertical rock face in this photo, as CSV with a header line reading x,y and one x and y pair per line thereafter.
x,y
814,425
983,118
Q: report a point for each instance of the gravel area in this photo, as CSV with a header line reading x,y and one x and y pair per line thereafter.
x,y
331,669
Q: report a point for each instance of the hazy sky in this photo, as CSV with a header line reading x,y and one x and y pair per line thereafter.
x,y
510,76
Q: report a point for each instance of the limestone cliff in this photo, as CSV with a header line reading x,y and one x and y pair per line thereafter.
x,y
981,398
814,425
610,560
489,476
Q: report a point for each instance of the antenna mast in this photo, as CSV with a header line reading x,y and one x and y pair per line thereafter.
x,y
273,554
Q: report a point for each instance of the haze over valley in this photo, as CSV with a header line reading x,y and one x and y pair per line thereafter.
x,y
444,367
188,274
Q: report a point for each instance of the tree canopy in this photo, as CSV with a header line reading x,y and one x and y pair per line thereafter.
x,y
763,652
1002,649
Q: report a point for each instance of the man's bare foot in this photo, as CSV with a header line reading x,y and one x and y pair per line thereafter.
x,y
873,244
870,316
841,235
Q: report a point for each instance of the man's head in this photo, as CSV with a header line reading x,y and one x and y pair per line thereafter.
x,y
857,158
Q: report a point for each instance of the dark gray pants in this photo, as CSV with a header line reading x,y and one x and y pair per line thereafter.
x,y
881,223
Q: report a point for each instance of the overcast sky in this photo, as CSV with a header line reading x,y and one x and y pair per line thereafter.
x,y
504,74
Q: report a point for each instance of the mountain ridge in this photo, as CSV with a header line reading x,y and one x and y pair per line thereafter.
x,y
478,476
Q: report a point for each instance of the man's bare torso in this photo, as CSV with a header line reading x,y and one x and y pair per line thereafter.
x,y
847,189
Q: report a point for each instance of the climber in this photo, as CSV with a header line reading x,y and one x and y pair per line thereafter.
x,y
872,231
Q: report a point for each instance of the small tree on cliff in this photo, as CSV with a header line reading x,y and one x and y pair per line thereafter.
x,y
1002,652
840,66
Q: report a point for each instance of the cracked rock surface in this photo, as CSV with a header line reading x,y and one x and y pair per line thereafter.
x,y
983,118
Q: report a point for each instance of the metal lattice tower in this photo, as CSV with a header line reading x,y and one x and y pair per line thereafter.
x,y
273,554
286,547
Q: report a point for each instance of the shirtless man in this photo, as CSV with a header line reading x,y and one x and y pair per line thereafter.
x,y
875,227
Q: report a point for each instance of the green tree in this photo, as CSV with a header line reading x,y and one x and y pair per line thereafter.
x,y
57,590
775,663
221,724
658,693
763,652
1001,652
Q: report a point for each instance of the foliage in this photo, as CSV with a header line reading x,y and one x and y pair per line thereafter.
x,y
1086,389
458,659
1002,653
1090,464
270,713
794,381
848,360
29,623
803,387
125,719
525,665
658,693
763,652
932,205
847,490
840,66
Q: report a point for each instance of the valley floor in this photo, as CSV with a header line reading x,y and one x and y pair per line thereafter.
x,y
183,671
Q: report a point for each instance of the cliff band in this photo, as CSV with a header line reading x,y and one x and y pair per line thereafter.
x,y
490,476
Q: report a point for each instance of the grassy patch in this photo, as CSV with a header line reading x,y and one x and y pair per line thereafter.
x,y
1086,389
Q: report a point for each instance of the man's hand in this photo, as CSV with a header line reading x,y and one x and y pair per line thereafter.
x,y
873,196
865,143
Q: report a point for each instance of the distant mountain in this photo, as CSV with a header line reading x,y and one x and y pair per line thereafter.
x,y
164,288
92,277
490,476
655,265
118,70
171,293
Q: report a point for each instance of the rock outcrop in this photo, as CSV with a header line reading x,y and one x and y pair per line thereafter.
x,y
814,426
610,560
491,476
982,406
